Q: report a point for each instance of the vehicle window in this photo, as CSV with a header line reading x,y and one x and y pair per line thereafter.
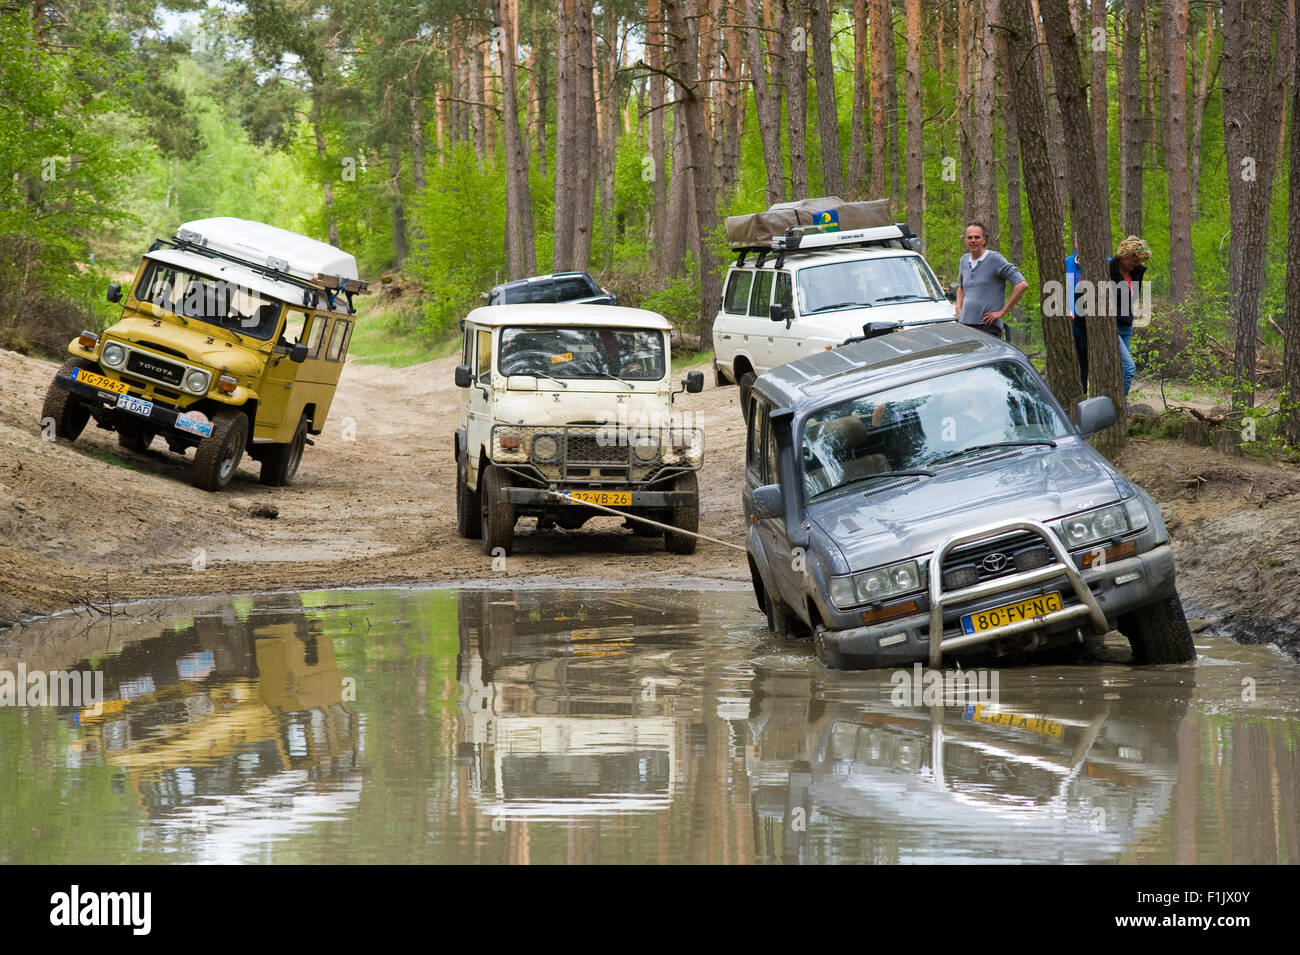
x,y
754,453
878,281
484,365
737,297
316,335
295,326
210,300
760,302
630,354
466,346
784,293
770,473
571,287
924,424
339,340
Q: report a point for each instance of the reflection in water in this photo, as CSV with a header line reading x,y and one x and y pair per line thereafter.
x,y
637,726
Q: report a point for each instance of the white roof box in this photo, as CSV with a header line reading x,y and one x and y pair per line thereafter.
x,y
266,246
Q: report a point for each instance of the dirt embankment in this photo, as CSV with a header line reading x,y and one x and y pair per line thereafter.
x,y
374,503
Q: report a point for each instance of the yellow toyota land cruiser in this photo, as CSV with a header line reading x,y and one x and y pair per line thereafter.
x,y
231,340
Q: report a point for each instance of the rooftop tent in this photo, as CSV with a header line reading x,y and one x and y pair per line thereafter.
x,y
760,228
266,246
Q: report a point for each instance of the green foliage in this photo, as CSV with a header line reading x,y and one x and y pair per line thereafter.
x,y
678,301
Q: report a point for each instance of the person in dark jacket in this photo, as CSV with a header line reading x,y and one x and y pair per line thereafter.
x,y
1127,269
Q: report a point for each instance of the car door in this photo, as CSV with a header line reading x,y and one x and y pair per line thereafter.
x,y
731,325
479,342
759,327
786,338
761,469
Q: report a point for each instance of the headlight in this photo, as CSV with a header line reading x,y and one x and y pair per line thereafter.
x,y
873,586
1093,526
197,382
645,449
546,447
113,355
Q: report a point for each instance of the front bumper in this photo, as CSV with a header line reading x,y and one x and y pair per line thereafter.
x,y
1118,588
102,404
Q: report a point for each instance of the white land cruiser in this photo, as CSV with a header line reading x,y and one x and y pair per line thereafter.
x,y
807,293
569,405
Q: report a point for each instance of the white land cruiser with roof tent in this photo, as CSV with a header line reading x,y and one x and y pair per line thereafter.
x,y
813,287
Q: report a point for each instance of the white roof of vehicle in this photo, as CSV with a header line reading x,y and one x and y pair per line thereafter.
x,y
569,313
257,242
799,259
239,275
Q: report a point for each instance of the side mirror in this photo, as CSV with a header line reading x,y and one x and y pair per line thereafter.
x,y
767,503
298,354
464,377
951,294
115,292
1094,414
694,382
777,313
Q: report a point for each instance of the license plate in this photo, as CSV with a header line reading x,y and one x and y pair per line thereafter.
x,y
99,381
137,405
604,498
1030,609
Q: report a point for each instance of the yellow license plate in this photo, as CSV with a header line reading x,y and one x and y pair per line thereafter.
x,y
1012,613
1034,724
99,381
603,498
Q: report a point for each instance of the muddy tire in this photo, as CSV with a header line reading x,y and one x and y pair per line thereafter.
x,y
685,517
497,527
218,456
468,510
69,415
781,618
132,437
1159,633
280,461
746,385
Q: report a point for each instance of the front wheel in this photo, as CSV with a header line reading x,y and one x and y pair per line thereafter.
x,y
497,528
685,517
280,461
1159,633
62,410
746,385
219,453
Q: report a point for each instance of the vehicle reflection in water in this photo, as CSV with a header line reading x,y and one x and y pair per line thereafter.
x,y
561,703
232,733
840,769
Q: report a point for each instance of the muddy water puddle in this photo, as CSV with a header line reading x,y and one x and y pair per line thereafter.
x,y
617,726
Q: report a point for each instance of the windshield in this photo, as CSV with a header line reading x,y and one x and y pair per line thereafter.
x,y
633,354
924,424
206,299
879,281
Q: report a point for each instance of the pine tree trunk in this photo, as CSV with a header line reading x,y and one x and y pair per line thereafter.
x,y
1131,138
1097,100
399,213
327,186
861,104
915,121
521,258
584,152
984,179
541,88
677,232
879,129
1205,80
793,34
1180,190
828,121
965,132
417,140
767,103
566,90
1011,153
1291,353
891,102
658,141
474,68
610,127
1046,216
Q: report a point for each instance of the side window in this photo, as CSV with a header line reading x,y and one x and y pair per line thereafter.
x,y
316,335
571,287
467,347
295,326
737,297
754,453
770,473
339,340
483,368
760,302
784,293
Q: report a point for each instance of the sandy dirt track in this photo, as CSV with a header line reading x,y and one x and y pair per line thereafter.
x,y
374,503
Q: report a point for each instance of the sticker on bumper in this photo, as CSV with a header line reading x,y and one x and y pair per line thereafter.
x,y
195,422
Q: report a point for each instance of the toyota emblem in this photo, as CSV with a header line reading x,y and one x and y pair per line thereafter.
x,y
995,563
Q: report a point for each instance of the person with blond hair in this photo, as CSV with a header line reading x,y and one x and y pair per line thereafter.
x,y
1127,271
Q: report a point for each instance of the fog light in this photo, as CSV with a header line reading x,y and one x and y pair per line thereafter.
x,y
509,442
646,451
227,383
960,577
546,447
1029,559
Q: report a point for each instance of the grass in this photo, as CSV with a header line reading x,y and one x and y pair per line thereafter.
x,y
108,457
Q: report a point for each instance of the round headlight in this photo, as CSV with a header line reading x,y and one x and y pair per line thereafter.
x,y
545,447
905,578
1109,522
113,355
1077,531
872,587
197,382
646,450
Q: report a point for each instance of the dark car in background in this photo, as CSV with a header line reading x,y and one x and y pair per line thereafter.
x,y
921,495
576,288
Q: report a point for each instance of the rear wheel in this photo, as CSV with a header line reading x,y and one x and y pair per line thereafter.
x,y
219,454
497,528
746,385
685,517
1159,633
468,512
280,461
62,409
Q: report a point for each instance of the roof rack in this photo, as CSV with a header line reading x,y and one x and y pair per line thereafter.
x,y
897,235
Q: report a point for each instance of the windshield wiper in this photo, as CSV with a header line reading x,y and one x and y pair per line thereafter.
x,y
905,298
562,384
909,472
615,377
827,308
992,446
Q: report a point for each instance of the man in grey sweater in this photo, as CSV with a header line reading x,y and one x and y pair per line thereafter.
x,y
981,283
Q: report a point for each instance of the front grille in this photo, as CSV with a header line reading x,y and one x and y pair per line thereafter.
x,y
588,449
991,559
155,369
